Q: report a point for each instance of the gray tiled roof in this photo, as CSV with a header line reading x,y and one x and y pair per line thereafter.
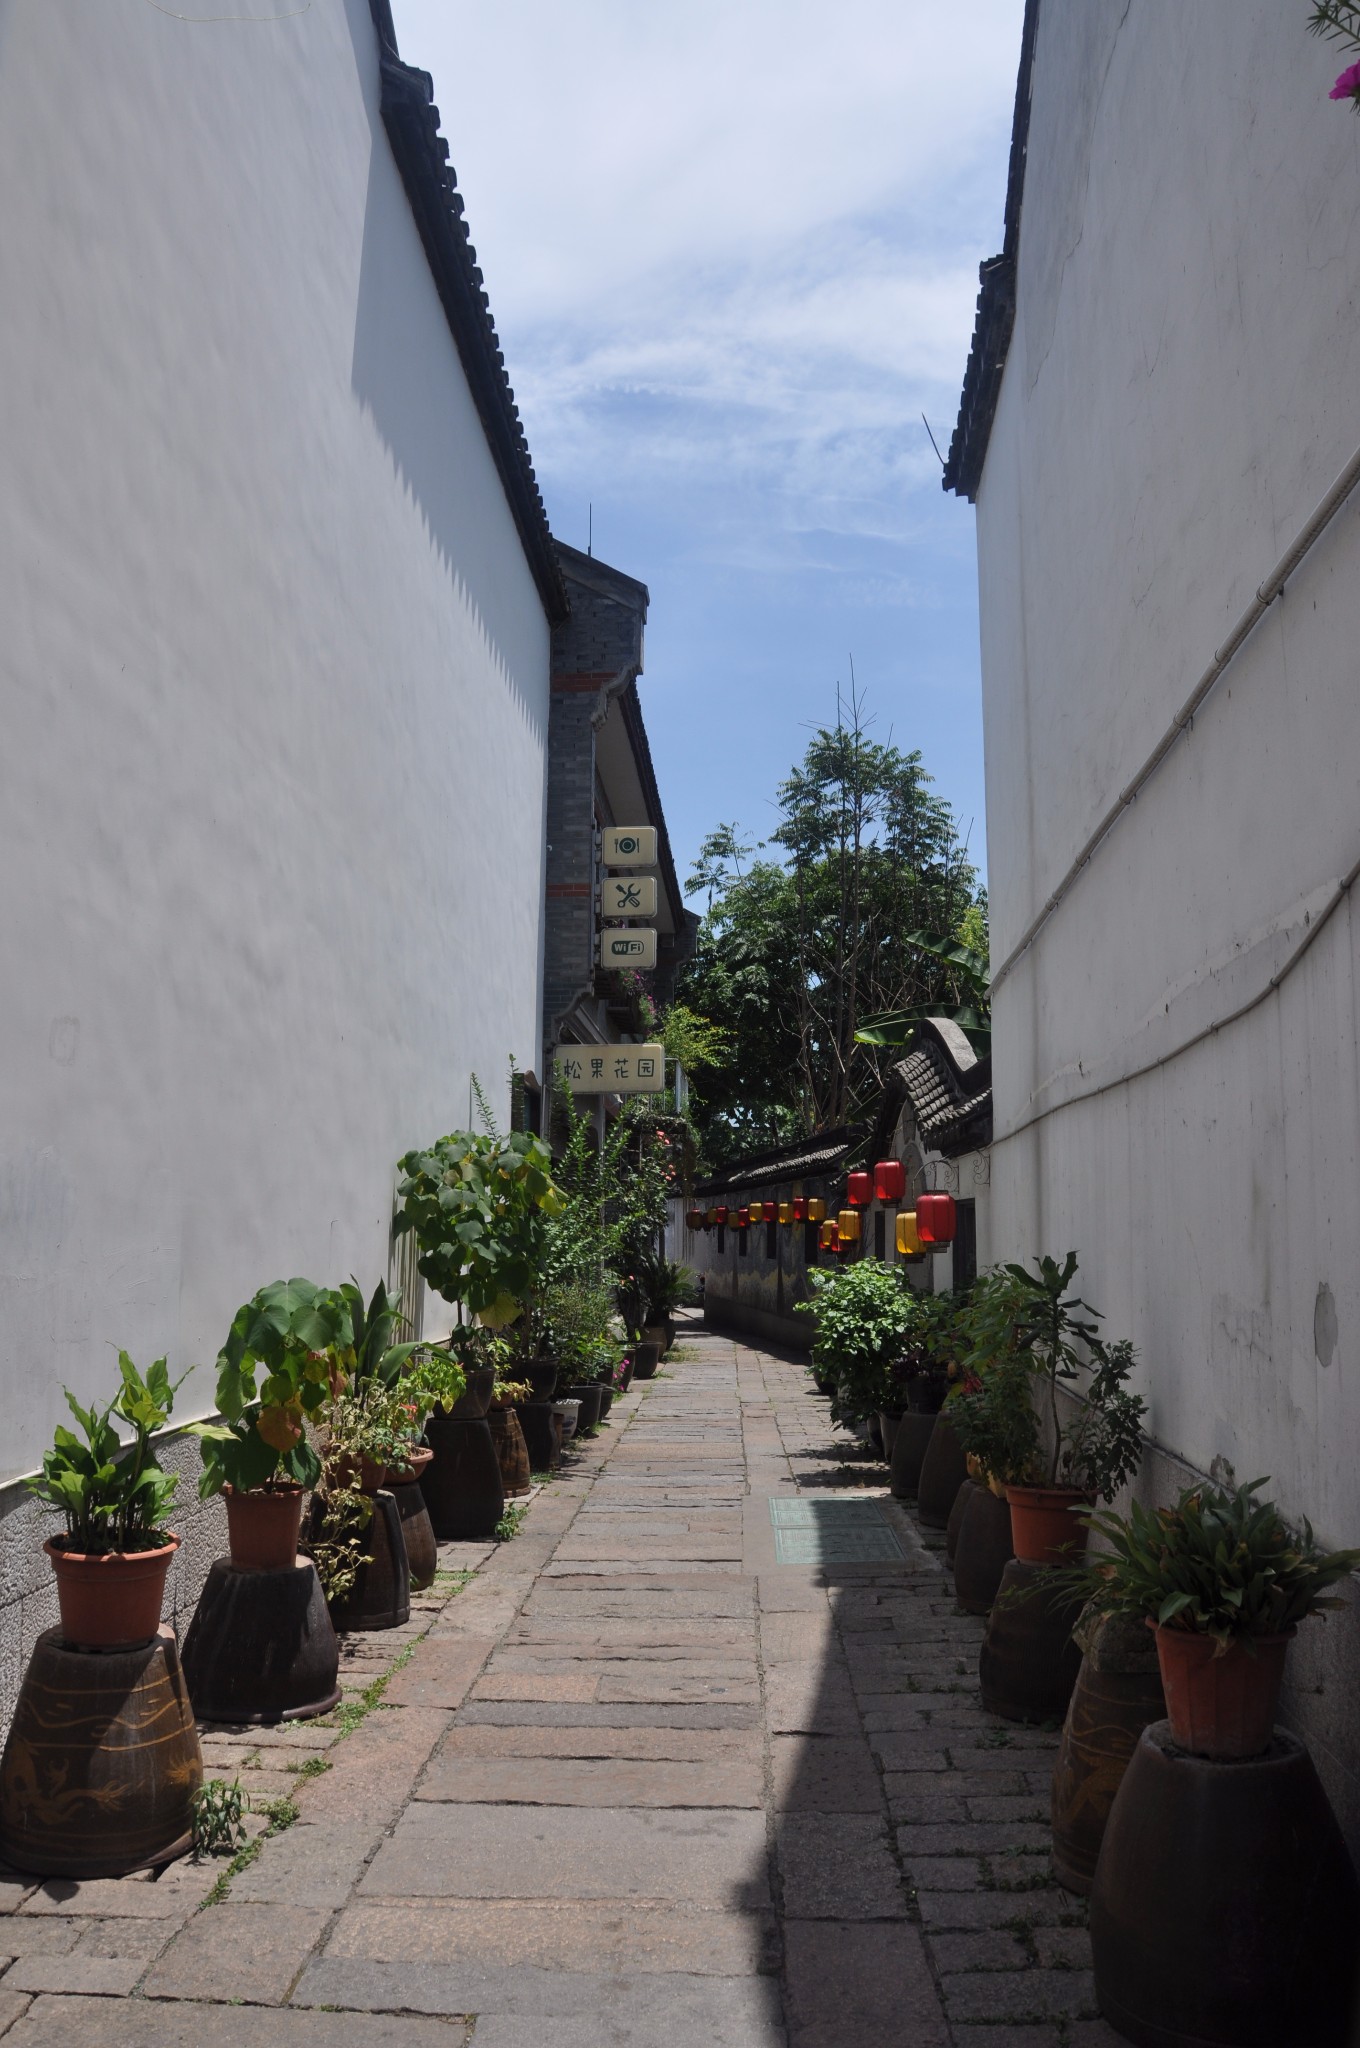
x,y
809,1157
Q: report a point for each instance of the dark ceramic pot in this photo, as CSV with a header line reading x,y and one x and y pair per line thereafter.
x,y
261,1646
1028,1663
512,1452
910,1444
646,1359
1118,1693
606,1401
955,1522
984,1549
887,1431
381,1594
462,1488
943,1471
474,1402
542,1439
542,1375
1224,1905
422,1553
102,1762
587,1392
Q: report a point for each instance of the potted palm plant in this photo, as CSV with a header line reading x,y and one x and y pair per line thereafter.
x,y
289,1351
112,1559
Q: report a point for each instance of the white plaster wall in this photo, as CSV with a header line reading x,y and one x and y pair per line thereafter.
x,y
1183,386
274,680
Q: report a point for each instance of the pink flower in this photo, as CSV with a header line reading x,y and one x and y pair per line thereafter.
x,y
1347,87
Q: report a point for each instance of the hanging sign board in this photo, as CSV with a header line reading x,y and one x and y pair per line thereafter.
x,y
612,1069
628,896
631,947
629,846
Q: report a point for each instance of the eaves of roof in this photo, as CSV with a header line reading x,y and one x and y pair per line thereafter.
x,y
412,122
821,1154
995,321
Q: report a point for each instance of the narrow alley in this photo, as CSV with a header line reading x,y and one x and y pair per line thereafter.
x,y
698,1755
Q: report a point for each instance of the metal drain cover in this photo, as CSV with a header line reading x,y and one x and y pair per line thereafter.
x,y
833,1532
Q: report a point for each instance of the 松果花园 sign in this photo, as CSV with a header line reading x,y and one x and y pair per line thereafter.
x,y
628,946
629,846
628,896
612,1069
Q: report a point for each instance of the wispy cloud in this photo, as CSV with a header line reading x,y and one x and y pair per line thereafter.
x,y
732,252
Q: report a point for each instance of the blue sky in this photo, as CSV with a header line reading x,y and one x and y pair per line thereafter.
x,y
732,250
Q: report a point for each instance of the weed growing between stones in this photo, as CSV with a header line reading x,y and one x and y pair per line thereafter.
x,y
509,1522
219,1817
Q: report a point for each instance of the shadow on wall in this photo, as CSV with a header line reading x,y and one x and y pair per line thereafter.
x,y
408,379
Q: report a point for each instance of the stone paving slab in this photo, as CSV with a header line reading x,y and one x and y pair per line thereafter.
x,y
545,2008
562,1934
98,2023
494,1852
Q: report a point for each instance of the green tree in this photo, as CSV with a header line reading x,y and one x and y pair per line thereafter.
x,y
805,939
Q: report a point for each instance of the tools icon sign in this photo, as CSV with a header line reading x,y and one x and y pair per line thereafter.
x,y
629,896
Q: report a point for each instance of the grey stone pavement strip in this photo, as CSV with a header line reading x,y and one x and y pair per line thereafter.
x,y
636,1781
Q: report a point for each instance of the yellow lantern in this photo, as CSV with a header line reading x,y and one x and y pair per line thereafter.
x,y
830,1236
816,1209
847,1226
908,1243
786,1212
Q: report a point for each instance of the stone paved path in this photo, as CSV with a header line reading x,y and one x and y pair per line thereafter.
x,y
640,1782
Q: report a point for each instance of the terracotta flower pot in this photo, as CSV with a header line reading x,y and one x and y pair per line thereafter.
x,y
402,1475
110,1602
1221,1706
263,1527
1044,1525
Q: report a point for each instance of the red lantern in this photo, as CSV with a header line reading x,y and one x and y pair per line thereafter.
x,y
859,1191
800,1208
936,1219
743,1217
890,1180
720,1215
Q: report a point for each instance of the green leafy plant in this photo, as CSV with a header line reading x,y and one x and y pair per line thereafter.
x,y
994,1418
1059,1332
378,1358
479,1207
219,1817
288,1350
436,1379
865,1317
112,1495
1220,1563
1338,21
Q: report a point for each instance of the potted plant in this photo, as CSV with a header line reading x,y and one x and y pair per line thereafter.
x,y
1035,1329
1224,1581
865,1317
112,1559
289,1351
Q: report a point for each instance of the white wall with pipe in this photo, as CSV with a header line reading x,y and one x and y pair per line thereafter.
x,y
1182,388
274,675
